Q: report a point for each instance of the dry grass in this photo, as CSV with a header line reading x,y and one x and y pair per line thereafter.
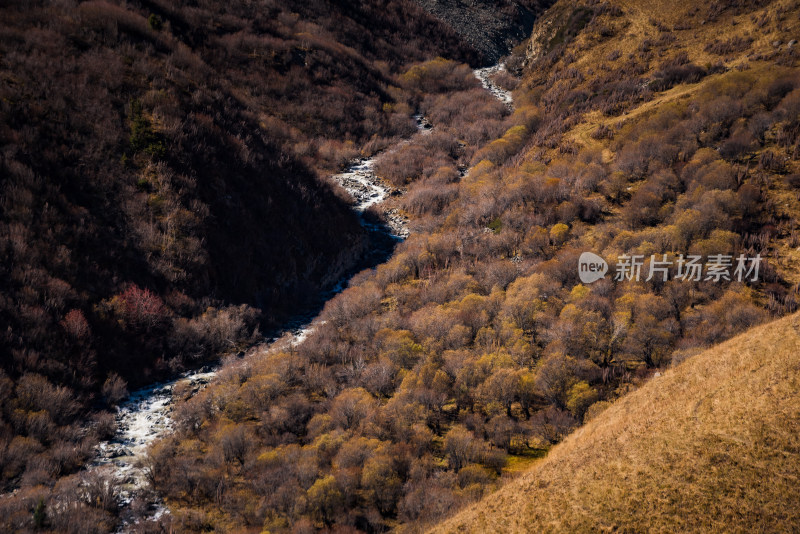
x,y
637,24
581,133
712,445
688,22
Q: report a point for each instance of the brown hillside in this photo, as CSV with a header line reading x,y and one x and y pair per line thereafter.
x,y
712,445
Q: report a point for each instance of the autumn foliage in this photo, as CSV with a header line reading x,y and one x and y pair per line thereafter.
x,y
469,352
475,347
162,202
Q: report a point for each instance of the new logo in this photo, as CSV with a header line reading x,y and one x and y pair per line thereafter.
x,y
591,267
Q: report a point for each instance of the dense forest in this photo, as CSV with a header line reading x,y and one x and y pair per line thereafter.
x,y
164,199
475,347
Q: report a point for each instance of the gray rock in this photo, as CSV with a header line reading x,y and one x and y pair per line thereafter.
x,y
491,32
118,452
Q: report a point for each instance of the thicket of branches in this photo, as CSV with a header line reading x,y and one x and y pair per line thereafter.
x,y
160,198
476,345
158,173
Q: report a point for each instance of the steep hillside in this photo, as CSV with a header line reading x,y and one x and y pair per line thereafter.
x,y
666,135
162,193
659,131
710,445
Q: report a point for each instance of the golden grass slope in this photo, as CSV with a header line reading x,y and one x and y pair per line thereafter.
x,y
713,445
686,22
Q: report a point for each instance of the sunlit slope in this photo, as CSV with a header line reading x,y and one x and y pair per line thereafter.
x,y
712,445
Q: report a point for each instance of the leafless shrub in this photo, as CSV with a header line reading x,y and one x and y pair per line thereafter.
x,y
734,45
